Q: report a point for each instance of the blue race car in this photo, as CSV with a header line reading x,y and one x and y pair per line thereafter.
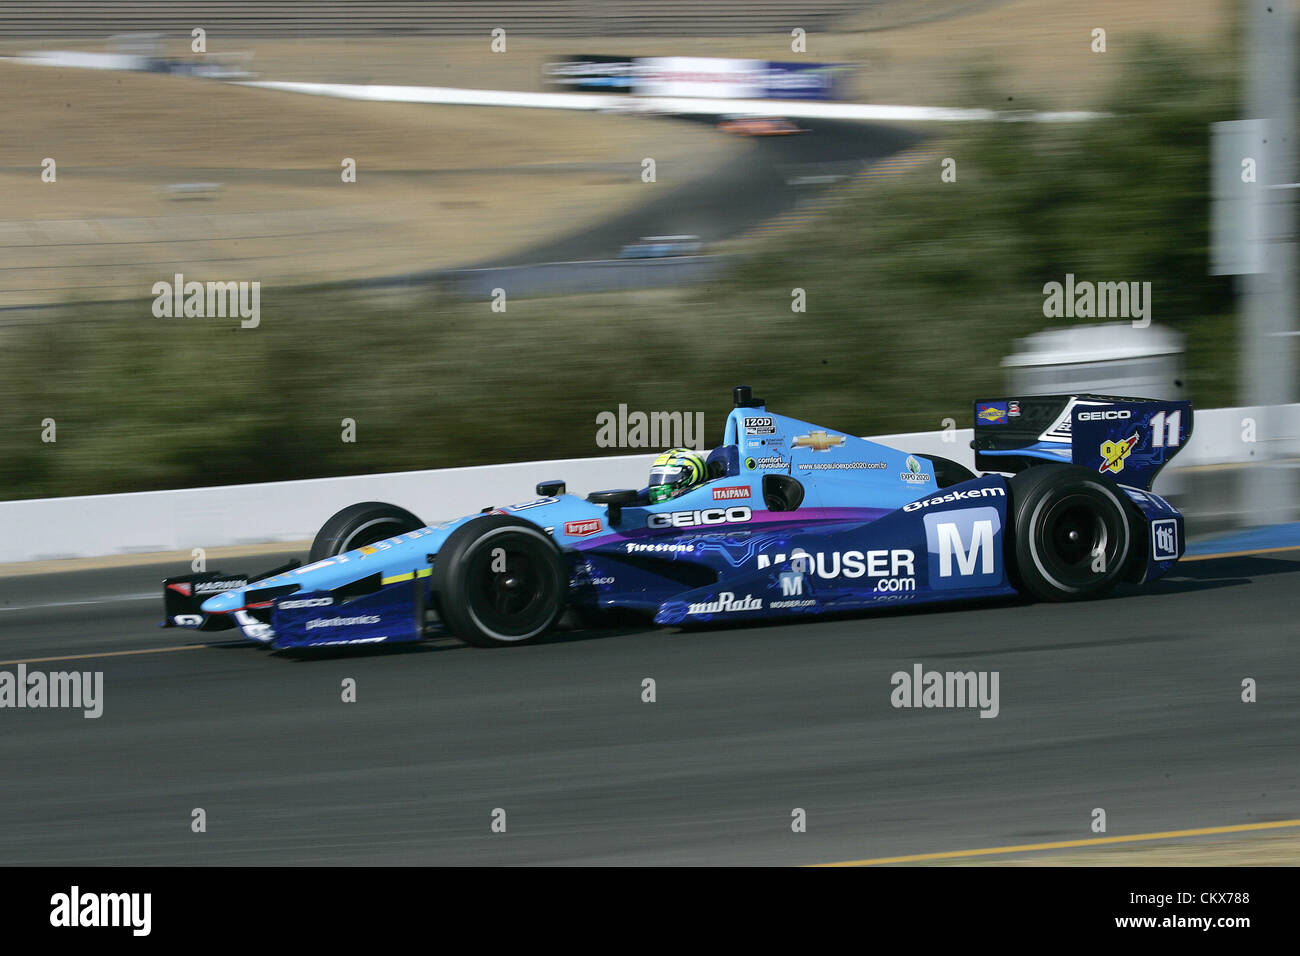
x,y
784,519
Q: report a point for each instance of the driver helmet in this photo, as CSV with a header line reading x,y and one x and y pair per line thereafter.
x,y
675,472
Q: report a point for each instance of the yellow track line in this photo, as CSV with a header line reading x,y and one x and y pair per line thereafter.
x,y
82,657
1066,844
1238,554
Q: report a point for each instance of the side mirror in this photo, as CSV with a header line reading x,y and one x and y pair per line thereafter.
x,y
550,489
616,500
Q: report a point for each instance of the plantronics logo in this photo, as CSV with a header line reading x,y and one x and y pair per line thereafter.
x,y
344,621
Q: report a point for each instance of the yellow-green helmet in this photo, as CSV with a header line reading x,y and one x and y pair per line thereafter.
x,y
675,471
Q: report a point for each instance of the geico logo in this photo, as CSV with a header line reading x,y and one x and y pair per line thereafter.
x,y
308,602
682,519
956,496
218,585
850,564
1106,416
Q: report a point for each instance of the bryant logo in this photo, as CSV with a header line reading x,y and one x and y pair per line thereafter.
x,y
580,529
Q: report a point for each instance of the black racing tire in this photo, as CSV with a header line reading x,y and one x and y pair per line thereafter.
x,y
490,606
1074,533
361,524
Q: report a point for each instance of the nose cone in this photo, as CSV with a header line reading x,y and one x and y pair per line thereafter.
x,y
224,602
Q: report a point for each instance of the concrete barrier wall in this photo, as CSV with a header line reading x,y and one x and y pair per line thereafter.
x,y
98,525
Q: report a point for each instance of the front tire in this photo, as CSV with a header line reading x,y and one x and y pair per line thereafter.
x,y
1073,533
499,581
361,524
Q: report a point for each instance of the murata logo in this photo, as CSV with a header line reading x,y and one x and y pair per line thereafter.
x,y
580,529
731,493
726,602
1114,414
684,519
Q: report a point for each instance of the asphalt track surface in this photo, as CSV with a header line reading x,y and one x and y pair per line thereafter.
x,y
747,190
1130,704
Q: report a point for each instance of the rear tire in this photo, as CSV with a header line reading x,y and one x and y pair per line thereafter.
x,y
361,524
1073,533
499,581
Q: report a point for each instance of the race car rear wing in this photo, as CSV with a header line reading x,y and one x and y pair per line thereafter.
x,y
1128,439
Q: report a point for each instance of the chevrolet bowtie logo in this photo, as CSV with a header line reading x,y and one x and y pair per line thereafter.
x,y
818,441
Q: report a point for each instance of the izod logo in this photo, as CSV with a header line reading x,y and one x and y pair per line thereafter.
x,y
581,529
731,493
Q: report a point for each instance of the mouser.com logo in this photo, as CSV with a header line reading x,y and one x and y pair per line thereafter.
x,y
726,602
850,564
684,519
892,570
